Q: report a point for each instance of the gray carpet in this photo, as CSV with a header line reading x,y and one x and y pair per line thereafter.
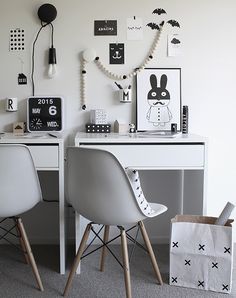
x,y
16,279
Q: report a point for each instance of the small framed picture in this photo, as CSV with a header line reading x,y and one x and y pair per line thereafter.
x,y
158,99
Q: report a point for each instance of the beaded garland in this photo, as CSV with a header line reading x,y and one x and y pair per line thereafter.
x,y
112,75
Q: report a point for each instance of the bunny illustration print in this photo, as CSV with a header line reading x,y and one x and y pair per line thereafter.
x,y
158,99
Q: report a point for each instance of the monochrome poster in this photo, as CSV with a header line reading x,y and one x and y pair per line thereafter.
x,y
134,28
105,27
174,45
117,53
158,99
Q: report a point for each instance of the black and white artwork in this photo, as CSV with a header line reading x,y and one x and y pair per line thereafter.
x,y
105,27
117,53
134,28
158,99
174,45
17,40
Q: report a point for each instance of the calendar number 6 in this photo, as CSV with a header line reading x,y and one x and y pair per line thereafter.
x,y
53,110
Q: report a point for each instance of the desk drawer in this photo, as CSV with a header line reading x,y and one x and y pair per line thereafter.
x,y
157,156
45,156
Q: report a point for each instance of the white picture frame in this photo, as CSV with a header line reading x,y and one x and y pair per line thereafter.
x,y
158,99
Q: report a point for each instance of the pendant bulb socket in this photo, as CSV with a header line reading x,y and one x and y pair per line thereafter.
x,y
52,56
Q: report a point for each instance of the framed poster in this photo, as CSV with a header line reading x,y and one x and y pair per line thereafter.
x,y
158,99
117,53
105,27
44,113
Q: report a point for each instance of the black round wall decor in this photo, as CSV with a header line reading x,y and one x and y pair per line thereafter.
x,y
47,13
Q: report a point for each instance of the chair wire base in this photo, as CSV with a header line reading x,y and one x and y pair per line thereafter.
x,y
105,244
125,257
9,232
24,244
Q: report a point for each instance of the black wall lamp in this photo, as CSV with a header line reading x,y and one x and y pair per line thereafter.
x,y
47,13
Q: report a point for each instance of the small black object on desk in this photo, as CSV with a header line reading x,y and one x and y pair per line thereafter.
x,y
185,120
173,127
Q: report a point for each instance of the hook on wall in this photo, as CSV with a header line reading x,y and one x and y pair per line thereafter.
x,y
47,13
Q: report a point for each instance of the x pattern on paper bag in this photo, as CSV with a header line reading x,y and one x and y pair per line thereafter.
x,y
187,262
227,250
175,244
201,247
225,287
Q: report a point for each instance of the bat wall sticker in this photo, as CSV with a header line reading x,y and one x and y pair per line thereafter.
x,y
173,23
159,11
162,23
153,26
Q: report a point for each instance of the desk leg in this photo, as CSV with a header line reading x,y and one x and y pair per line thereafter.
x,y
78,236
204,201
61,210
181,207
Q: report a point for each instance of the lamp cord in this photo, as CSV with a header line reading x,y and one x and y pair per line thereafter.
x,y
52,35
33,52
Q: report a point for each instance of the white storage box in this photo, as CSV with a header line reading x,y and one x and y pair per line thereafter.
x,y
201,253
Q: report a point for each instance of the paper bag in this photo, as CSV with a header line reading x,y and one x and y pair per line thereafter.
x,y
201,253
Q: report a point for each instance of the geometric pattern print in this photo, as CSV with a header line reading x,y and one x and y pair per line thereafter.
x,y
214,265
134,179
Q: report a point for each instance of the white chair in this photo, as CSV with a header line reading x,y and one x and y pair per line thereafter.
x,y
99,189
19,192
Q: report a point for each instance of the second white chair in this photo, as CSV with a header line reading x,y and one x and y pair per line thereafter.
x,y
99,190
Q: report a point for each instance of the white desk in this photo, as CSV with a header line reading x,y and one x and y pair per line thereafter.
x,y
184,152
48,155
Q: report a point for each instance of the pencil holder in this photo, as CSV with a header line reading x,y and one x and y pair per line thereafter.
x,y
125,95
11,104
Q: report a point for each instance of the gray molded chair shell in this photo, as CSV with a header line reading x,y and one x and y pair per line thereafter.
x,y
19,191
99,189
19,185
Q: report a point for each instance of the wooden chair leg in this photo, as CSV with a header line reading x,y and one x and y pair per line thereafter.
x,y
104,249
22,243
150,251
77,258
29,253
126,263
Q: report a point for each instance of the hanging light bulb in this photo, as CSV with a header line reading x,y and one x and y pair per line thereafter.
x,y
52,69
